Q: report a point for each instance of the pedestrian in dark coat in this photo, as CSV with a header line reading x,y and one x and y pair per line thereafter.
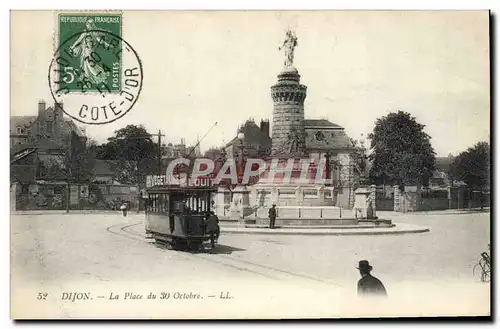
x,y
369,285
272,216
212,227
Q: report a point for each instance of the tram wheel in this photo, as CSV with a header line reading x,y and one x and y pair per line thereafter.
x,y
175,244
193,245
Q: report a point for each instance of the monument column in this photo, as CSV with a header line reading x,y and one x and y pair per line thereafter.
x,y
288,129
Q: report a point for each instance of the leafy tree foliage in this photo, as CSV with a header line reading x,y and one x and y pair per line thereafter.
x,y
81,159
401,151
134,151
131,143
473,166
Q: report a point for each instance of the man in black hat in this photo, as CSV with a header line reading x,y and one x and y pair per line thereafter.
x,y
369,285
272,216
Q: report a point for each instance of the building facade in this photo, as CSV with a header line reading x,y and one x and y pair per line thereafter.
x,y
49,123
253,140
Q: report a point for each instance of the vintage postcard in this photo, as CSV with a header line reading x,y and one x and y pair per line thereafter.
x,y
249,164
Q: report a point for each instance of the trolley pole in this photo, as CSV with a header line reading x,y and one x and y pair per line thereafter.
x,y
159,152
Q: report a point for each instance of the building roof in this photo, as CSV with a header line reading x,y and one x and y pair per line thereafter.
x,y
254,136
321,123
69,125
27,120
102,168
22,120
42,144
437,174
443,163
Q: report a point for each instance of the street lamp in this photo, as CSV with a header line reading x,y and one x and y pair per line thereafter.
x,y
240,158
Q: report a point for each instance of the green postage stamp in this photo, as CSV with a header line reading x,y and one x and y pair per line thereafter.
x,y
87,40
95,73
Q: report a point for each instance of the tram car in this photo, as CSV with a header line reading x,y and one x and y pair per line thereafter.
x,y
181,217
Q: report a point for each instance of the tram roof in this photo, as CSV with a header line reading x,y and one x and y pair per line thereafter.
x,y
181,189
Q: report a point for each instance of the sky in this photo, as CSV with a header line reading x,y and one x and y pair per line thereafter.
x,y
205,67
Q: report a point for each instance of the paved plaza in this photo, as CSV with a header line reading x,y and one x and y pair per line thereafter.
x,y
77,250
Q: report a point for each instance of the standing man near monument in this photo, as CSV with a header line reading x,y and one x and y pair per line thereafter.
x,y
272,216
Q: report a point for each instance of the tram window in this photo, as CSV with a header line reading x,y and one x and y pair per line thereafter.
x,y
153,202
150,203
162,203
166,203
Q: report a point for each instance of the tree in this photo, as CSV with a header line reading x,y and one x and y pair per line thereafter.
x,y
129,143
401,151
133,150
75,163
473,166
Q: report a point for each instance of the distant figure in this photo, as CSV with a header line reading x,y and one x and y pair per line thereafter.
x,y
272,216
482,199
369,285
123,208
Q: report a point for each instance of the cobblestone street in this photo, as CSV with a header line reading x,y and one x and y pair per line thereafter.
x,y
78,252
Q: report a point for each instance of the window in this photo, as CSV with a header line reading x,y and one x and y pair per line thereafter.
x,y
158,203
150,203
162,203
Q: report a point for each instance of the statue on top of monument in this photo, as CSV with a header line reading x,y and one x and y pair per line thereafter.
x,y
289,46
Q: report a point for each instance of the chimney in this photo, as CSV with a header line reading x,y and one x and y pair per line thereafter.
x,y
41,107
264,127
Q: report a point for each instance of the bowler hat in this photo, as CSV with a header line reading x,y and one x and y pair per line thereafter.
x,y
364,265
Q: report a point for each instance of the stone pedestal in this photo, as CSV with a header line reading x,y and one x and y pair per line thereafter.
x,y
363,206
373,200
240,204
218,199
397,199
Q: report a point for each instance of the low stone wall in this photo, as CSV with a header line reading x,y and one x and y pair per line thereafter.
x,y
307,222
54,195
427,204
302,212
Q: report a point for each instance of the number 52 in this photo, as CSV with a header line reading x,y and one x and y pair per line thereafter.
x,y
42,296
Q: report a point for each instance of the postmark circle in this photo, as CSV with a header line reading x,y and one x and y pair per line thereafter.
x,y
95,77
